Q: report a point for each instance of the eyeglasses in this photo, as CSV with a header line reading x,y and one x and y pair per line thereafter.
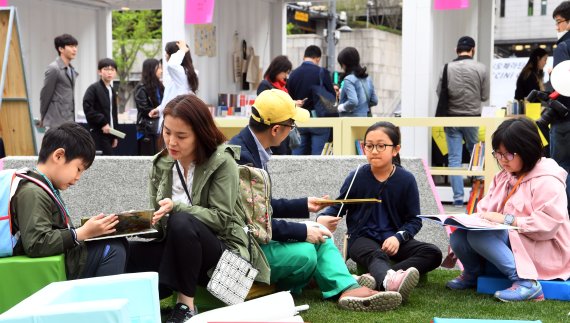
x,y
379,147
505,156
558,22
109,68
292,126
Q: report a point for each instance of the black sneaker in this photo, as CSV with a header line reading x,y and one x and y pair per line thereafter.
x,y
181,313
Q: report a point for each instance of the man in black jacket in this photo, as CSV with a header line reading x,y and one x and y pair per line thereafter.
x,y
301,251
300,86
100,107
560,127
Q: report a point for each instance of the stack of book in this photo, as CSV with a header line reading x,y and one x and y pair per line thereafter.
x,y
327,149
476,195
477,161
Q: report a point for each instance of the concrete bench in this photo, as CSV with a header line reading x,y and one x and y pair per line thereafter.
x,y
114,184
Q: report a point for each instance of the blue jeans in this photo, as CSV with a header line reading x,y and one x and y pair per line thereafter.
x,y
559,148
454,137
312,141
493,246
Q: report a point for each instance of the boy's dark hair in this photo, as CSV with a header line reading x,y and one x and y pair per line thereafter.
x,y
313,52
279,64
391,131
563,10
520,136
171,48
73,138
64,40
350,58
195,113
106,62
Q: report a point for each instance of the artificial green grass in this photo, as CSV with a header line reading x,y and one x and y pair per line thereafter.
x,y
431,299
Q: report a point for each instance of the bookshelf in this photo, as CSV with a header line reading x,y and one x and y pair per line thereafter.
x,y
232,126
354,128
347,130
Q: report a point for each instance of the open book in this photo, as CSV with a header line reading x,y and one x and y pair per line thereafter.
x,y
348,201
467,222
130,223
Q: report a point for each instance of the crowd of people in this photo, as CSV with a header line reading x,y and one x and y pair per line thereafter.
x,y
199,214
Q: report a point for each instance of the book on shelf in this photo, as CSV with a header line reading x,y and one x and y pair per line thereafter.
x,y
465,221
359,146
348,201
477,161
477,191
130,223
327,149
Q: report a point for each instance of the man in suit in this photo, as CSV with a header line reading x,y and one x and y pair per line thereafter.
x,y
299,252
100,107
57,104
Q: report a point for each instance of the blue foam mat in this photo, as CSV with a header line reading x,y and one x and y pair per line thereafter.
x,y
553,289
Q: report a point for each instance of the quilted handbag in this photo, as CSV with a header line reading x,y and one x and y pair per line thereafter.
x,y
232,278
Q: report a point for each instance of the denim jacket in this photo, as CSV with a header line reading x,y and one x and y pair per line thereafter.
x,y
353,96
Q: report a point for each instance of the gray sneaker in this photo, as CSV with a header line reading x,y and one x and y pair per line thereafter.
x,y
366,280
367,300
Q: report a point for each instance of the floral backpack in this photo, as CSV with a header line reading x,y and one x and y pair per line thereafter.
x,y
255,191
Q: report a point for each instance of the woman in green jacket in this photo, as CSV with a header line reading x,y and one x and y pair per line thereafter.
x,y
194,189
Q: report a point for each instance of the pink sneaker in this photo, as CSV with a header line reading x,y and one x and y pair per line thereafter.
x,y
401,281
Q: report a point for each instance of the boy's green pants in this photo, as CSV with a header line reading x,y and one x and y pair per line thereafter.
x,y
293,264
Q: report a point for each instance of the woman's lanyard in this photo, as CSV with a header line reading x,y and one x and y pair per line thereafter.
x,y
57,196
500,210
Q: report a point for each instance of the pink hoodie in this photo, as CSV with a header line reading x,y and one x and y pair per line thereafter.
x,y
541,245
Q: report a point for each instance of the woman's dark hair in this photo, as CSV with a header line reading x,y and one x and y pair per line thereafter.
x,y
531,66
279,64
391,131
350,58
150,80
195,113
73,138
520,136
171,48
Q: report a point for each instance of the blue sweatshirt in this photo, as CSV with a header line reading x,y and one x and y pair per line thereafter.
x,y
397,212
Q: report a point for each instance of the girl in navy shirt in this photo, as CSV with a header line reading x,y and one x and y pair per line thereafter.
x,y
381,235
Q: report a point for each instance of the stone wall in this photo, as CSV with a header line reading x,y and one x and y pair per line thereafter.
x,y
380,52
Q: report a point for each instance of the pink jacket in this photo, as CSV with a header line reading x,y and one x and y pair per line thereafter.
x,y
541,245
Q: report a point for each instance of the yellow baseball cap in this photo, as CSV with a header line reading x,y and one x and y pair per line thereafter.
x,y
274,106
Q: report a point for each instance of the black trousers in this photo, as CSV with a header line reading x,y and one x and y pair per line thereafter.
x,y
182,260
105,257
103,142
366,252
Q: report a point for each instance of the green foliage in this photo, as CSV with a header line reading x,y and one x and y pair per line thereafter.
x,y
362,24
133,32
292,29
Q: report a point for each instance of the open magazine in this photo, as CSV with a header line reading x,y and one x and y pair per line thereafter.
x,y
467,222
130,223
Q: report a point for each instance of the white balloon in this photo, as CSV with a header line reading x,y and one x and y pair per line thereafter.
x,y
560,78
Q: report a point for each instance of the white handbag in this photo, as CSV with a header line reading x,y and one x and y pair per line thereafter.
x,y
232,278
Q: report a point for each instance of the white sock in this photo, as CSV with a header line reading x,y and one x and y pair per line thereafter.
x,y
390,272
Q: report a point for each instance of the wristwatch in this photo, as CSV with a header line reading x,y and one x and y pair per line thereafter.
x,y
404,234
509,219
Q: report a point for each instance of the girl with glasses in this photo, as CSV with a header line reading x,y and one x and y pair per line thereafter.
x,y
381,235
529,194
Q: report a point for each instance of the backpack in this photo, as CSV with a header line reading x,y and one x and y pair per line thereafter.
x,y
9,181
255,195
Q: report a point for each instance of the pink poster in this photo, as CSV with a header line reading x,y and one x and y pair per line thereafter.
x,y
197,11
3,3
450,4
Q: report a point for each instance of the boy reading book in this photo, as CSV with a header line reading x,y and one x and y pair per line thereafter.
x,y
66,152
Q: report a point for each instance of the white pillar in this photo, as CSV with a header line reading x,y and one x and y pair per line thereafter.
x,y
173,27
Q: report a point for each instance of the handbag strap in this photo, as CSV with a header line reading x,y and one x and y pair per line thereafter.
x,y
321,72
183,181
348,191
